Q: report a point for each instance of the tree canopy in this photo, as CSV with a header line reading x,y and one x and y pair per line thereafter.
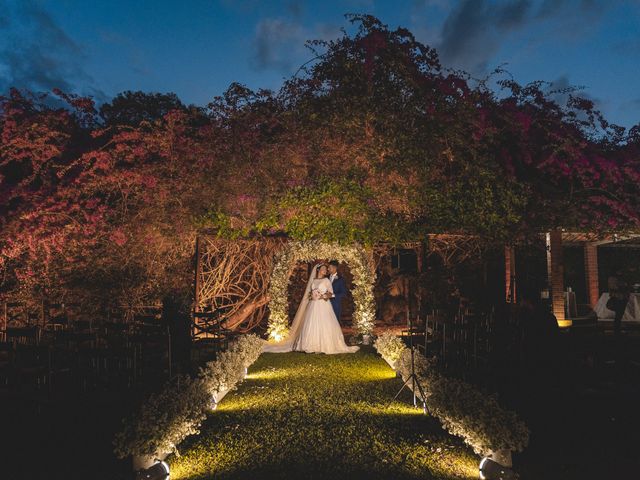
x,y
371,141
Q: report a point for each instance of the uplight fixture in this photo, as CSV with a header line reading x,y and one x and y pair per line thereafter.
x,y
157,471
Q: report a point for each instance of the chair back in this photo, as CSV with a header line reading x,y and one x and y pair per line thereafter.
x,y
23,335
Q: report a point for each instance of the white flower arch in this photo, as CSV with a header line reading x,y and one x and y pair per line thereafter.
x,y
360,262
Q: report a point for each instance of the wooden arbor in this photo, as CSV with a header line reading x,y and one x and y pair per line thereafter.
x,y
231,280
232,277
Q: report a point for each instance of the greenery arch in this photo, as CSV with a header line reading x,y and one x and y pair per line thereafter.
x,y
360,262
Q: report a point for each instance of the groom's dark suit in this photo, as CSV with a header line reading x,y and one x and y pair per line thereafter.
x,y
339,291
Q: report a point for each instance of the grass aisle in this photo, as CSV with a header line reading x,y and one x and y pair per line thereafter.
x,y
316,416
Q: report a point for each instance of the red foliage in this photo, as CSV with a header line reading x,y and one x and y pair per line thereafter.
x,y
123,199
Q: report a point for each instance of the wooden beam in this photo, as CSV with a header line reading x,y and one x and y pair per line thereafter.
x,y
616,240
580,238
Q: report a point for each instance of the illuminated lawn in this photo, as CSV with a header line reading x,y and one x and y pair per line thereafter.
x,y
321,416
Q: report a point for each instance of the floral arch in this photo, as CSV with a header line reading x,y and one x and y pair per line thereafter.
x,y
360,262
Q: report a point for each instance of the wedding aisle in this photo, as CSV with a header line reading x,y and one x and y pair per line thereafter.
x,y
317,416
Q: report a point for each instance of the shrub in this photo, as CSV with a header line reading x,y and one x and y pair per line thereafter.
x,y
476,417
463,410
422,365
222,374
390,347
248,347
165,419
227,370
176,412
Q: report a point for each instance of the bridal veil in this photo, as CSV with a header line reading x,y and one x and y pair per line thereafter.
x,y
286,345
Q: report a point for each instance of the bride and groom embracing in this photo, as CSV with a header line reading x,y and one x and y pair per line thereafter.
x,y
315,328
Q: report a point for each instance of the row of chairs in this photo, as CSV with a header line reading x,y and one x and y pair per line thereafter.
x,y
51,361
462,339
25,366
55,316
34,334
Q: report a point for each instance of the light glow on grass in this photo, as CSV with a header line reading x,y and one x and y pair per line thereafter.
x,y
266,374
332,415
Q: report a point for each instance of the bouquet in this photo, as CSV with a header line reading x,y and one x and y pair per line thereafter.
x,y
316,294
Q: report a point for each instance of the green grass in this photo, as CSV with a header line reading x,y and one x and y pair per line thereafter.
x,y
318,416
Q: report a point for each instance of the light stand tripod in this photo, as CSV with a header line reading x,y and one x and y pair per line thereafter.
x,y
413,378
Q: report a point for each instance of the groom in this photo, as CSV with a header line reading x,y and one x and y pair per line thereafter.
x,y
339,288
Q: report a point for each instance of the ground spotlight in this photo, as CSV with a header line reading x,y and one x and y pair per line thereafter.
x,y
158,471
491,470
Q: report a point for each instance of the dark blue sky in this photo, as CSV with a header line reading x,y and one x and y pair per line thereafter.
x,y
195,48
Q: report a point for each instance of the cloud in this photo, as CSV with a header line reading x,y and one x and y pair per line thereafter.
x,y
275,41
628,46
280,43
293,7
556,89
551,8
296,7
631,106
431,3
474,30
471,32
562,82
37,54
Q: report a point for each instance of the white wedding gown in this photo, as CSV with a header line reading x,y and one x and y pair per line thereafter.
x,y
315,328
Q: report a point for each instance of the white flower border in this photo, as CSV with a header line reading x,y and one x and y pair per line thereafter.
x,y
462,409
171,415
360,262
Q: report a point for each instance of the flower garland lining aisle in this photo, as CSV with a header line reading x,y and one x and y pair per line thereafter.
x,y
462,409
177,411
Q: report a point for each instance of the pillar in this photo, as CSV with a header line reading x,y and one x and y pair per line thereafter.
x,y
510,274
591,273
555,273
197,285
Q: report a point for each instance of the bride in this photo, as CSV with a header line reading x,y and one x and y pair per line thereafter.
x,y
315,328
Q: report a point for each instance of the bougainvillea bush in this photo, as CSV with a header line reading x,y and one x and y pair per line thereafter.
x,y
373,141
